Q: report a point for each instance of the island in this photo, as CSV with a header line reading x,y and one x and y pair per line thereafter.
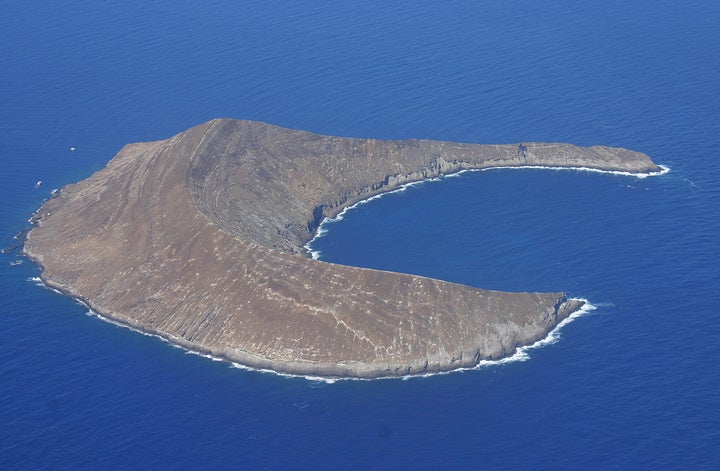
x,y
199,239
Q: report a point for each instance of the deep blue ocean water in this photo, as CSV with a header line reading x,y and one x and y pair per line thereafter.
x,y
633,385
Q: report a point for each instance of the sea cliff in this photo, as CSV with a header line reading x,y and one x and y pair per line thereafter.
x,y
199,239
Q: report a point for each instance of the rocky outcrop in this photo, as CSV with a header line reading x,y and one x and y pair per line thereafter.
x,y
199,239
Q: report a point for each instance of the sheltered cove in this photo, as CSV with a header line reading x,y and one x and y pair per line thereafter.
x,y
199,239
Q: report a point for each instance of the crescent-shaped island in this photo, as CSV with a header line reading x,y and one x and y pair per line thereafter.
x,y
200,238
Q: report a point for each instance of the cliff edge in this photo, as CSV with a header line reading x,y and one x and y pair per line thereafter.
x,y
199,239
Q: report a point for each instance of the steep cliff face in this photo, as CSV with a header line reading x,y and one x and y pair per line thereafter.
x,y
199,239
292,179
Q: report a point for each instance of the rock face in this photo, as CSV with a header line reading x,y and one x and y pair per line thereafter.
x,y
199,239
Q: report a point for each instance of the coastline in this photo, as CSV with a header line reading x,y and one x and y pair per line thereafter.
x,y
320,231
326,372
520,352
233,277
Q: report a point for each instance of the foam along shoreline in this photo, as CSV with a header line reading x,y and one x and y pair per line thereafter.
x,y
199,239
322,229
521,352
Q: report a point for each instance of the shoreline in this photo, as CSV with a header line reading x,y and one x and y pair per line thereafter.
x,y
320,231
519,353
255,363
262,303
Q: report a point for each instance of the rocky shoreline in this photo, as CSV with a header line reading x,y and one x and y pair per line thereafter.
x,y
199,239
331,371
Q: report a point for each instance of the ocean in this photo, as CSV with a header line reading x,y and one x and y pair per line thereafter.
x,y
631,385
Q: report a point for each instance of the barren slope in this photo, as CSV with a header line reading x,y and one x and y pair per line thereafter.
x,y
199,239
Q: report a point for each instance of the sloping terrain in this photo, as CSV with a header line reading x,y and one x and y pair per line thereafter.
x,y
199,239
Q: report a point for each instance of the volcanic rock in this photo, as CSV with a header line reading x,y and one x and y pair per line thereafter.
x,y
199,239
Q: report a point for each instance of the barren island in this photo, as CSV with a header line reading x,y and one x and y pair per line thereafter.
x,y
199,239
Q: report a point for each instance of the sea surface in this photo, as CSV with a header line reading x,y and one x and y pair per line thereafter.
x,y
635,384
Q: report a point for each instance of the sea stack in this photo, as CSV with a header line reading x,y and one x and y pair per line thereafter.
x,y
199,239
